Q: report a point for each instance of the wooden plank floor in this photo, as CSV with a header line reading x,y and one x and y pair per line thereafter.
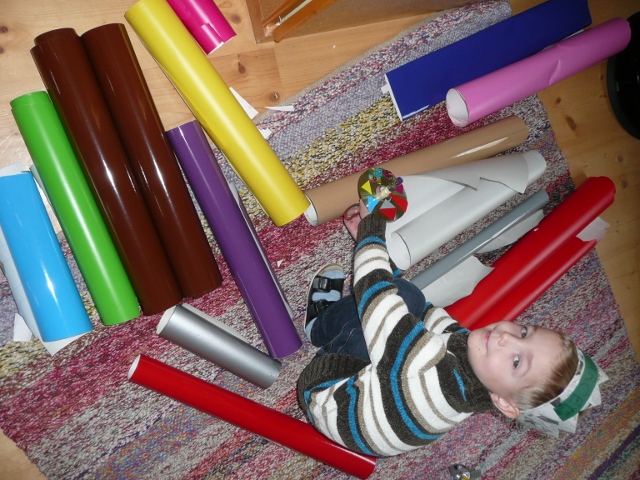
x,y
266,74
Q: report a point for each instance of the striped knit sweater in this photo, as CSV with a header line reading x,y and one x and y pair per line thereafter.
x,y
418,384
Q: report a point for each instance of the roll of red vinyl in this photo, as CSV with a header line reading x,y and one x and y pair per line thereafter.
x,y
247,414
521,297
534,249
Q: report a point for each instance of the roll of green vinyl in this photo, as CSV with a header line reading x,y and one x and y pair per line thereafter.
x,y
75,207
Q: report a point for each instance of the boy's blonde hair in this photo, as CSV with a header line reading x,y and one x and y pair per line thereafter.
x,y
557,380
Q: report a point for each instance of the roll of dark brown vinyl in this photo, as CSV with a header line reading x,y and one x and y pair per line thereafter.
x,y
68,76
154,164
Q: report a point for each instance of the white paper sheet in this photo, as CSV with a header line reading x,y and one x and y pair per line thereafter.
x,y
456,283
514,234
596,230
21,331
442,203
251,111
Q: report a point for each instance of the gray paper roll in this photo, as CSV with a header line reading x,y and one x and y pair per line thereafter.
x,y
522,211
190,329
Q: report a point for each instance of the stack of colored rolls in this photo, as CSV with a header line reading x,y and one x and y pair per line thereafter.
x,y
109,119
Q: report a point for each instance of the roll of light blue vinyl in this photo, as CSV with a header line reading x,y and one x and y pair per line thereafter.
x,y
36,252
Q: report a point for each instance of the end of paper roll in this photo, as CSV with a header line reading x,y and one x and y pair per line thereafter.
x,y
457,108
310,213
133,367
386,89
536,165
398,250
166,316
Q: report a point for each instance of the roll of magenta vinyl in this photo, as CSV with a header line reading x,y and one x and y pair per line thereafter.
x,y
44,273
205,22
492,92
247,414
424,82
75,208
237,240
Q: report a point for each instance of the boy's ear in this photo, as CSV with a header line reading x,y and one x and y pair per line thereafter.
x,y
507,407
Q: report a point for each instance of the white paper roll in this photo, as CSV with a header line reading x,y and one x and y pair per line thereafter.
x,y
443,203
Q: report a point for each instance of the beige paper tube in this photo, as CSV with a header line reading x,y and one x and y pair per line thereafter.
x,y
329,201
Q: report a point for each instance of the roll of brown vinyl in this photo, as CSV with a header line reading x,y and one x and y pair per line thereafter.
x,y
154,164
68,76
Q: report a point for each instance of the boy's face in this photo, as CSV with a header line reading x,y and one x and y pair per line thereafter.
x,y
507,357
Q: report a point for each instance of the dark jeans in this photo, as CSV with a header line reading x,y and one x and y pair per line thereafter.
x,y
338,329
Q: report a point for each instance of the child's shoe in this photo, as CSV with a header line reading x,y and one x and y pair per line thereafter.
x,y
325,288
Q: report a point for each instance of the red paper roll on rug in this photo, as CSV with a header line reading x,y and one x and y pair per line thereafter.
x,y
522,296
247,414
516,267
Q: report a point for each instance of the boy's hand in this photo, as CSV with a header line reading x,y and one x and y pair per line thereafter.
x,y
364,211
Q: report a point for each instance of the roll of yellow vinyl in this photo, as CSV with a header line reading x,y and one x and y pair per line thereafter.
x,y
217,110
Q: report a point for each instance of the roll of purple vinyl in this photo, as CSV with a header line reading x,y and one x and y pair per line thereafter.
x,y
237,240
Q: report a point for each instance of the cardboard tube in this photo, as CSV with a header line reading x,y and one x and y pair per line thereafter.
x,y
237,240
43,271
75,208
68,75
217,110
249,415
329,201
192,330
519,262
156,169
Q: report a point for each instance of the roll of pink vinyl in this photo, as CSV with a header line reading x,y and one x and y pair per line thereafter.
x,y
478,98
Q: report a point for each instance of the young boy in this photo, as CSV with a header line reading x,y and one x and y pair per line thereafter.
x,y
394,372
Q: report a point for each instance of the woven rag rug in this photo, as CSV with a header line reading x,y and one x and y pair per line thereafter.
x,y
76,415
